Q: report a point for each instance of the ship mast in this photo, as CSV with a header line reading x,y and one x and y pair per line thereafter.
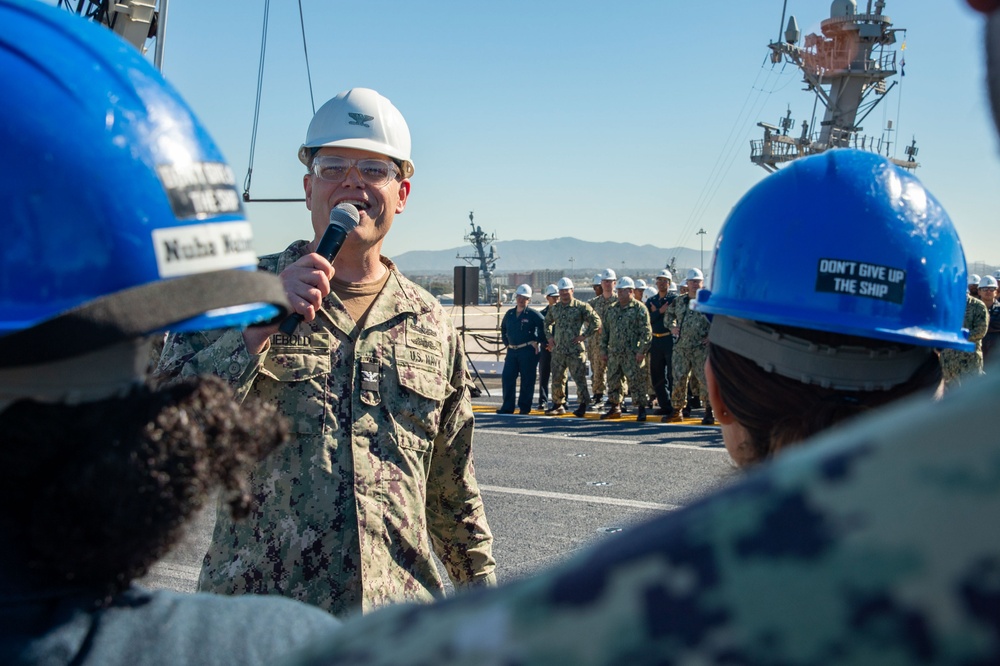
x,y
847,67
487,261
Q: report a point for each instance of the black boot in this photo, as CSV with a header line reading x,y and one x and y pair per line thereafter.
x,y
640,414
709,416
581,410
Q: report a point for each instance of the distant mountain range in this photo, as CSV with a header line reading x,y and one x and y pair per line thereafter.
x,y
570,254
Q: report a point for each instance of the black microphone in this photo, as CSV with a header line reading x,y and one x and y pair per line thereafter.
x,y
343,219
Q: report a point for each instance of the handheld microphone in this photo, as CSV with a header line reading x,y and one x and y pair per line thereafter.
x,y
343,219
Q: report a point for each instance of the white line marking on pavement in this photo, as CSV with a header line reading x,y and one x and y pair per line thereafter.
x,y
599,440
560,436
635,504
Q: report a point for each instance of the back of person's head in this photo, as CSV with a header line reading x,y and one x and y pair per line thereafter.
x,y
120,220
833,280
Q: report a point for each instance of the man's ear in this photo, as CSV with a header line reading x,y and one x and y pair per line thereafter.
x,y
308,188
404,192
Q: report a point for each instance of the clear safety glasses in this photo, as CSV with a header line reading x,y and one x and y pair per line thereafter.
x,y
334,169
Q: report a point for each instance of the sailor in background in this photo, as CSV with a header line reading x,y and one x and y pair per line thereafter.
x,y
625,338
598,366
545,356
568,323
522,332
690,351
102,168
988,294
958,365
661,367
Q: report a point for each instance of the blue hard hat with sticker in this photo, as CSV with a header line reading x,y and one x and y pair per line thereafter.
x,y
107,179
845,242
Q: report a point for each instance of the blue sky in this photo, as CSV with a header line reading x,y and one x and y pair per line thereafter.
x,y
622,121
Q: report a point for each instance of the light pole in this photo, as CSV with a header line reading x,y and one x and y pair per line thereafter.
x,y
701,232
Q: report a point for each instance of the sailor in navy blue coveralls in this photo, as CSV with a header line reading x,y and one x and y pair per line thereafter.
x,y
522,332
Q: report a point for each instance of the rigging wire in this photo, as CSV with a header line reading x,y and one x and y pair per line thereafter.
x,y
256,108
305,49
730,149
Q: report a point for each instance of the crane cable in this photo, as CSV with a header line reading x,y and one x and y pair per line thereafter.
x,y
260,89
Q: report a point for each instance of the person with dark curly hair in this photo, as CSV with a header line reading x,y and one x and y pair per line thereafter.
x,y
101,467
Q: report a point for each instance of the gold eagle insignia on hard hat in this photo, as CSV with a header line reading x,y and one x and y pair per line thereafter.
x,y
360,119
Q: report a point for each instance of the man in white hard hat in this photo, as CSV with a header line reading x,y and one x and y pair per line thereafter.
x,y
661,350
974,284
988,295
373,381
958,365
568,323
522,332
690,351
545,356
640,290
625,338
598,366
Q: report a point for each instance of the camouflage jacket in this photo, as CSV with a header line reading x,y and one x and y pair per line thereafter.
x,y
977,320
379,467
600,306
875,543
626,329
566,321
693,325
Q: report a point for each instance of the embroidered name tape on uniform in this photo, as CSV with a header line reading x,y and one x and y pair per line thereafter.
x,y
199,248
857,278
200,189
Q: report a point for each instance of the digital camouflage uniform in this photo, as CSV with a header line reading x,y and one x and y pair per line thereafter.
x,y
598,366
690,350
874,544
378,470
626,332
956,364
563,323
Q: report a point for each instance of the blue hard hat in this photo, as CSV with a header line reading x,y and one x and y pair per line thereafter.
x,y
844,242
109,185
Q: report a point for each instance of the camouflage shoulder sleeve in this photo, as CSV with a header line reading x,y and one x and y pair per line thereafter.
x,y
220,353
979,320
646,335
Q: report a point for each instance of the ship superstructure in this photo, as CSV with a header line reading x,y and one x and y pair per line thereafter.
x,y
848,68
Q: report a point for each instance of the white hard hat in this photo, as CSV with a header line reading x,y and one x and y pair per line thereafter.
x,y
640,284
694,274
996,274
597,279
523,290
649,293
625,283
551,290
665,274
673,288
363,119
608,274
973,279
565,283
988,281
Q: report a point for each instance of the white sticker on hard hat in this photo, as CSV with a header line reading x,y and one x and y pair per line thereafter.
x,y
200,189
857,278
199,248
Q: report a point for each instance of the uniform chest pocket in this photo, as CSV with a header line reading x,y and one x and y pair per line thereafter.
x,y
295,378
424,387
